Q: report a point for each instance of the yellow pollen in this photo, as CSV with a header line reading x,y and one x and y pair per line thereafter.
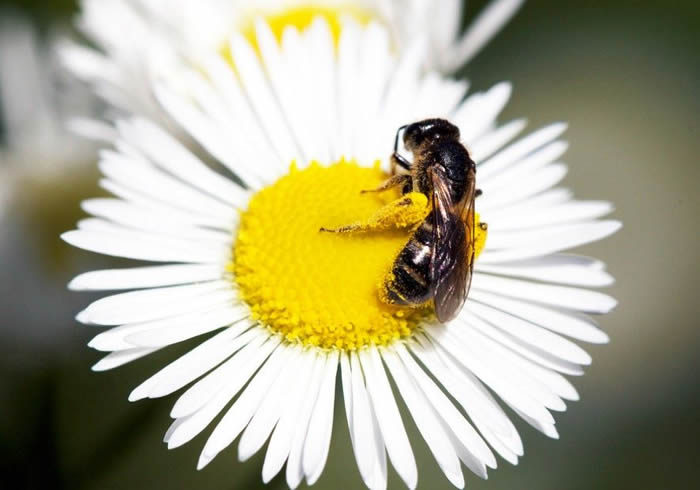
x,y
321,288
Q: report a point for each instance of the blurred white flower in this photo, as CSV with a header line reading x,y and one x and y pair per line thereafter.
x,y
294,309
161,31
37,100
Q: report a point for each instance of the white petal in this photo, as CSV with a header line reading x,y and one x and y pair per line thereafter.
x,y
184,429
309,374
271,409
393,431
547,429
172,156
318,439
559,268
323,71
375,65
579,233
139,306
569,324
508,443
509,366
426,421
137,174
295,470
243,409
492,141
482,30
141,246
514,173
553,381
359,417
154,203
527,351
457,425
531,334
479,111
569,212
134,217
144,277
262,99
464,390
254,346
566,239
559,296
528,187
380,471
285,85
519,149
487,370
348,81
157,331
253,141
190,326
205,131
192,365
116,359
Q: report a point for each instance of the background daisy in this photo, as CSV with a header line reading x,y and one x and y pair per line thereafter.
x,y
256,120
37,99
161,31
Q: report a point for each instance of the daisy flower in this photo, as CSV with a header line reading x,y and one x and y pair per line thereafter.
x,y
161,31
283,310
36,99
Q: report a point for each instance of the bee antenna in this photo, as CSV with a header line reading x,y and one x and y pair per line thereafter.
x,y
396,140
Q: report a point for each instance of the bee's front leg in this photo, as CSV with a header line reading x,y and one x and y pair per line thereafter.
x,y
390,183
405,212
345,229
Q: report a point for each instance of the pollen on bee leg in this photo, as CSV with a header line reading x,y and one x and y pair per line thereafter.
x,y
406,212
480,235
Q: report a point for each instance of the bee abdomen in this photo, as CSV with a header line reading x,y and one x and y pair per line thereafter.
x,y
410,283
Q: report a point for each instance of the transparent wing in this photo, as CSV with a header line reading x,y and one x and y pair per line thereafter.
x,y
453,245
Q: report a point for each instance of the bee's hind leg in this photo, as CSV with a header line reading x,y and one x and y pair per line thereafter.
x,y
394,181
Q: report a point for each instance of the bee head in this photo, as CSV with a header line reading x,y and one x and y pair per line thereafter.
x,y
429,131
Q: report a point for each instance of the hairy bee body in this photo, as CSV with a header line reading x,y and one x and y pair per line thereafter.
x,y
436,262
410,282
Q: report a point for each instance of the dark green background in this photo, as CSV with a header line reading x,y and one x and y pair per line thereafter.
x,y
625,75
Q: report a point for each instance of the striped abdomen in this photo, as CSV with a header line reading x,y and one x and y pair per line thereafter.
x,y
410,283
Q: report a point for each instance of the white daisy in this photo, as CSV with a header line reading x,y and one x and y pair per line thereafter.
x,y
163,30
286,308
36,99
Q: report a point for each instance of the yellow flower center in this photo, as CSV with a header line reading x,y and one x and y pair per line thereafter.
x,y
320,288
301,17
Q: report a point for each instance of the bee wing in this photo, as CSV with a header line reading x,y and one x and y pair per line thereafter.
x,y
453,246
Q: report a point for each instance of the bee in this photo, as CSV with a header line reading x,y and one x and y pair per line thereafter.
x,y
438,260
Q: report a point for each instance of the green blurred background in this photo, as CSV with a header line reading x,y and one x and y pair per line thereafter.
x,y
626,75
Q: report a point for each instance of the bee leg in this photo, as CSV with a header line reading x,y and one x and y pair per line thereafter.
x,y
405,212
393,181
343,229
478,193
